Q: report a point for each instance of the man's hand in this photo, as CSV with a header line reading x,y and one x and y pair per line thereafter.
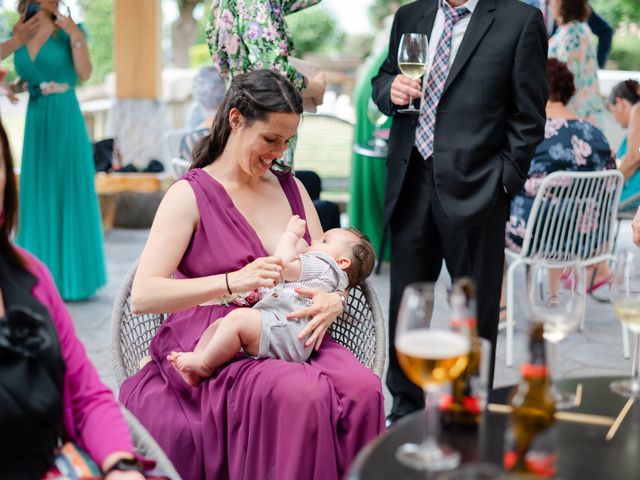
x,y
402,88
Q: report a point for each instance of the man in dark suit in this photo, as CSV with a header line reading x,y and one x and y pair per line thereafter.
x,y
453,168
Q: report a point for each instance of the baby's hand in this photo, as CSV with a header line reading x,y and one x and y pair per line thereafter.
x,y
296,226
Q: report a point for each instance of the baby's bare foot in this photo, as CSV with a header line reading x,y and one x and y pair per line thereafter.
x,y
189,366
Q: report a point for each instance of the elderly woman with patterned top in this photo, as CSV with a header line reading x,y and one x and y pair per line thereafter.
x,y
570,144
211,246
624,104
49,391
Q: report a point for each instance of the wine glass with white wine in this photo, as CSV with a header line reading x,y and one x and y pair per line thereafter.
x,y
412,61
625,298
430,357
557,299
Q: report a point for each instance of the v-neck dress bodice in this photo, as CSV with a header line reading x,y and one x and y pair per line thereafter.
x,y
224,240
254,418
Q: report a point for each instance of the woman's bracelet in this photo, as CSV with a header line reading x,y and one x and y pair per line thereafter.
x,y
226,280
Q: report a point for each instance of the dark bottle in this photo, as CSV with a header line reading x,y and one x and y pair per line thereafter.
x,y
530,444
462,408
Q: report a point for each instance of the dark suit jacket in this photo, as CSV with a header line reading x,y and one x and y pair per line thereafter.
x,y
491,114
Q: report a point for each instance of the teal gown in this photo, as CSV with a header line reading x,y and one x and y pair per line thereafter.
x,y
368,174
59,218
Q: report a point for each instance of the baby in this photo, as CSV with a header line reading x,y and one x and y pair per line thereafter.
x,y
341,258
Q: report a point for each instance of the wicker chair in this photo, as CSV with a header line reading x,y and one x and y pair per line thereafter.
x,y
147,446
360,328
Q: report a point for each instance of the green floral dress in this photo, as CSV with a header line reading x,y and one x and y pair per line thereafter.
x,y
246,35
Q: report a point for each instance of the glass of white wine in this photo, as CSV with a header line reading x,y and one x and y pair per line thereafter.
x,y
430,357
557,299
625,298
412,61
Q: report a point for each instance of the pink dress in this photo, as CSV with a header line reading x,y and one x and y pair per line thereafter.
x,y
254,419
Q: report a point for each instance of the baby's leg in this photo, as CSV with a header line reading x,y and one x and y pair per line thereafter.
x,y
241,328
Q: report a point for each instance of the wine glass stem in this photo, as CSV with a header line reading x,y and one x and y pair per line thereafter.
x,y
635,370
552,349
410,102
432,405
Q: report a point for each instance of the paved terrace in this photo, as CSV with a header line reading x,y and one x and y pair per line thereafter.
x,y
596,351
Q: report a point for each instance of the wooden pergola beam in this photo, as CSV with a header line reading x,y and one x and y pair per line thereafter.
x,y
138,49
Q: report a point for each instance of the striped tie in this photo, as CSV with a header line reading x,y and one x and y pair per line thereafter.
x,y
437,78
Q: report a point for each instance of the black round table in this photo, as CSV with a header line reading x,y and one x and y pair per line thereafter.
x,y
583,452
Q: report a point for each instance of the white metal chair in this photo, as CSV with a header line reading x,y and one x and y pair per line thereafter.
x,y
360,328
574,215
180,166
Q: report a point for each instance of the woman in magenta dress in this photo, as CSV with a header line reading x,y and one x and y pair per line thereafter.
x,y
213,236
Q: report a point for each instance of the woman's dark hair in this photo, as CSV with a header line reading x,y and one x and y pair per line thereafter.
x,y
9,203
363,258
570,10
627,90
560,81
256,95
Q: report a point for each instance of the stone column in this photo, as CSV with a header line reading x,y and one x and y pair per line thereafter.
x,y
138,118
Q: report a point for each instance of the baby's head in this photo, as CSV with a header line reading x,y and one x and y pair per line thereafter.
x,y
350,249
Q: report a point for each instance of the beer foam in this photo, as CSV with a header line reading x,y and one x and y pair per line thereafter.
x,y
432,344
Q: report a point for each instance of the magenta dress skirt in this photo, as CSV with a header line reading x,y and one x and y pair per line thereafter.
x,y
254,419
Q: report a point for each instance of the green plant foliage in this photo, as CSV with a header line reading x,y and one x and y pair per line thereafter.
x,y
98,15
626,53
357,45
381,8
8,18
314,30
199,56
616,11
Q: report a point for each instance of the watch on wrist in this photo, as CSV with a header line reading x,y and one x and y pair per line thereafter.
x,y
126,465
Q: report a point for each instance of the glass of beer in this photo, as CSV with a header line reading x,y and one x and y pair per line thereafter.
x,y
430,357
412,61
625,298
556,293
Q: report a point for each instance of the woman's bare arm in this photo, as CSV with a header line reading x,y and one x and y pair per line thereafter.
x,y
155,291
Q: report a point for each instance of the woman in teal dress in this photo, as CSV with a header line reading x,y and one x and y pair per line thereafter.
x,y
59,219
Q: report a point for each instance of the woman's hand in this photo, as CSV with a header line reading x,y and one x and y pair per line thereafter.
x,y
264,272
24,31
69,26
323,311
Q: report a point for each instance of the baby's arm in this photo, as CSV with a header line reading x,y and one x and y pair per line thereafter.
x,y
286,248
